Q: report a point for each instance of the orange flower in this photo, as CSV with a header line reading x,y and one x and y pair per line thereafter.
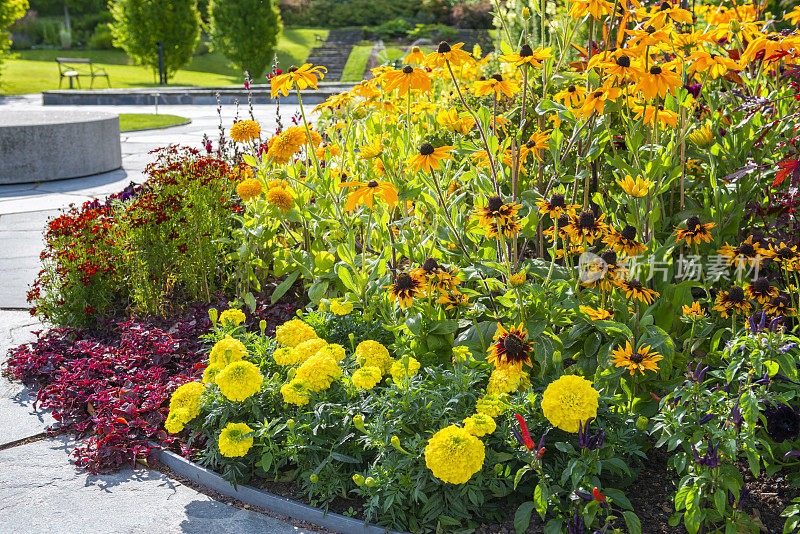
x,y
428,158
366,192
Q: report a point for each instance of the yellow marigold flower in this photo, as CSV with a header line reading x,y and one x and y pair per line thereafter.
x,y
507,380
249,189
341,308
295,392
184,405
429,158
334,350
403,368
210,373
232,316
175,421
517,279
569,400
479,425
281,198
454,455
642,359
225,351
309,348
318,372
286,356
301,77
366,193
636,188
239,380
461,354
285,145
491,405
232,444
366,377
244,131
370,353
292,333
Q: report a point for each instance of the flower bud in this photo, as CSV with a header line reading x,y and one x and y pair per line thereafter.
x,y
358,479
358,422
369,482
396,444
641,422
213,314
526,13
735,26
262,325
313,478
290,424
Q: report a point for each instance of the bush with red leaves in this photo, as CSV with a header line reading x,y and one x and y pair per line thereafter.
x,y
112,385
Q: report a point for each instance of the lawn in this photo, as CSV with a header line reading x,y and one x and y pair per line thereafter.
x,y
35,70
357,62
130,122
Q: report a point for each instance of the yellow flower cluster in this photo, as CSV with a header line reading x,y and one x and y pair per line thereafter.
x,y
334,350
318,372
184,405
248,190
366,377
232,316
370,353
295,392
454,455
491,405
231,442
569,400
244,131
225,351
309,348
403,368
239,380
507,380
479,424
341,308
292,333
286,356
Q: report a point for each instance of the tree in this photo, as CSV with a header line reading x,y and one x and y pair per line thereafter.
x,y
246,31
139,25
10,11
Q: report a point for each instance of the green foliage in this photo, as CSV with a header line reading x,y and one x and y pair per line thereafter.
x,y
139,25
10,11
246,31
337,14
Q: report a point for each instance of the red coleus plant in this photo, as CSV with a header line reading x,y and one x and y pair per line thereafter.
x,y
790,167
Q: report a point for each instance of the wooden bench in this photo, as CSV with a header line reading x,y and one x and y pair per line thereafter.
x,y
68,68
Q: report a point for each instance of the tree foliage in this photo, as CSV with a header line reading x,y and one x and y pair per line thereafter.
x,y
10,10
139,25
246,31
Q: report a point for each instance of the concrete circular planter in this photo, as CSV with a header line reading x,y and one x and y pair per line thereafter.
x,y
39,146
264,499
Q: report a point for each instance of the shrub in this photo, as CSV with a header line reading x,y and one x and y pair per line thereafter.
x,y
246,32
477,15
102,38
393,29
10,11
139,25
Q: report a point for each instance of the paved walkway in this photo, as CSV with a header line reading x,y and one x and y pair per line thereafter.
x,y
40,490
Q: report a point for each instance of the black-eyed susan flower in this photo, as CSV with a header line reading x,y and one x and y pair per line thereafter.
x,y
496,209
596,314
407,79
634,288
448,54
572,95
507,227
651,114
453,121
732,302
625,241
596,8
596,100
301,77
404,289
535,143
780,305
429,158
416,56
659,80
694,231
244,131
761,290
746,253
495,85
637,187
366,193
587,228
511,348
563,222
453,299
622,67
693,311
642,359
784,255
517,279
527,56
708,64
701,137
556,206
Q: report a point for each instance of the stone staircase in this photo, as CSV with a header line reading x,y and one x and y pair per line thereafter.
x,y
334,52
472,37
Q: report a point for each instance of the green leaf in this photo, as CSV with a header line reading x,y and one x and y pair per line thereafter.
x,y
250,300
266,461
522,517
344,458
632,522
284,287
540,497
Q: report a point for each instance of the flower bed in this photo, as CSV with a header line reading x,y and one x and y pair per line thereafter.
x,y
527,274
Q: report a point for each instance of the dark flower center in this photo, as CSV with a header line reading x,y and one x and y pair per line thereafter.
x,y
635,284
496,77
525,51
586,220
571,89
557,201
746,249
624,61
735,295
692,223
637,358
292,69
563,220
404,282
495,203
372,183
443,48
609,256
665,6
785,253
629,232
408,69
530,144
515,348
761,285
598,94
650,30
655,70
430,265
426,149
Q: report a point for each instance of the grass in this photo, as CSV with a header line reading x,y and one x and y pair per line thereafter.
x,y
36,70
129,122
356,63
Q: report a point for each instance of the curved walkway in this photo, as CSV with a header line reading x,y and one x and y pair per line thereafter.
x,y
40,490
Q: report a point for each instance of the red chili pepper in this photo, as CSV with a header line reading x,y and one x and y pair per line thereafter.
x,y
655,397
540,453
598,496
526,436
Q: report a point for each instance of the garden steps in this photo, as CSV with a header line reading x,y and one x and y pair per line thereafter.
x,y
335,51
472,37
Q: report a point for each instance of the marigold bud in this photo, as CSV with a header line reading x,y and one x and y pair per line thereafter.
x,y
526,13
369,482
358,422
290,424
358,479
213,314
641,422
314,478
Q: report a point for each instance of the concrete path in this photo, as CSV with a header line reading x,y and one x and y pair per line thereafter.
x,y
41,491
